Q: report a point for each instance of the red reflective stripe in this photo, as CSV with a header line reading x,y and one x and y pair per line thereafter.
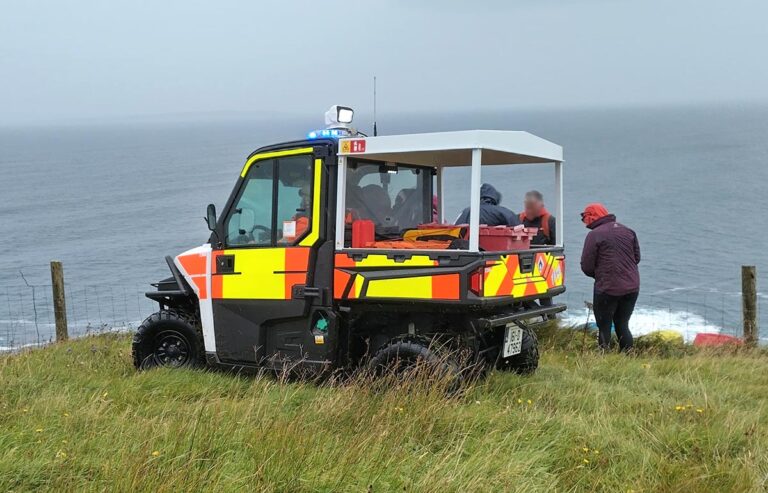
x,y
530,288
193,264
217,286
445,287
201,287
296,259
340,278
508,283
296,264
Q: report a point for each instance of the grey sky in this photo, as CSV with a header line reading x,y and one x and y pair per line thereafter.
x,y
108,59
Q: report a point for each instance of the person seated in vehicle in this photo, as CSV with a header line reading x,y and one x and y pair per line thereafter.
x,y
369,202
491,213
408,209
535,215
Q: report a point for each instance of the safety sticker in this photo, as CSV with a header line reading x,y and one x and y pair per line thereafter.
x,y
289,229
557,276
354,146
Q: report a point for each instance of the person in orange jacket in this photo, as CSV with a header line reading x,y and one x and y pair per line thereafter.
x,y
535,215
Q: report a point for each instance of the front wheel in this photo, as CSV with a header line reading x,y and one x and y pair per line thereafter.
x,y
167,338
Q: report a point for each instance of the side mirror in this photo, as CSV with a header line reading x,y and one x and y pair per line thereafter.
x,y
211,217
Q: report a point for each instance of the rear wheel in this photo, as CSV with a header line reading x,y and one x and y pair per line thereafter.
x,y
527,361
167,338
404,357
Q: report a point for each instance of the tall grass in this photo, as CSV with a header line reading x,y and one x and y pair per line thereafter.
x,y
76,416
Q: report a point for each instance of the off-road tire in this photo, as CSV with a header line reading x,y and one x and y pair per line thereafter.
x,y
527,361
168,338
402,353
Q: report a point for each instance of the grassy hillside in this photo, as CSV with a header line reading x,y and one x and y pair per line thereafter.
x,y
76,416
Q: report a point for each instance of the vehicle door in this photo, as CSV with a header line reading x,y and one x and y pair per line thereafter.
x,y
260,277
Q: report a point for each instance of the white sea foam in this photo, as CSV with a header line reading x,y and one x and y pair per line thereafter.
x,y
76,330
646,320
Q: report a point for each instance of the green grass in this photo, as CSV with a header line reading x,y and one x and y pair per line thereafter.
x,y
76,416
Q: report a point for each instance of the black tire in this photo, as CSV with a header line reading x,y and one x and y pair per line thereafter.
x,y
401,356
527,361
168,338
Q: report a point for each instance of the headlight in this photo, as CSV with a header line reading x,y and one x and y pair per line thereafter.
x,y
345,114
339,115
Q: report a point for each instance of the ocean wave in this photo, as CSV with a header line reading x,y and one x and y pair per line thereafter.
x,y
6,349
75,331
646,320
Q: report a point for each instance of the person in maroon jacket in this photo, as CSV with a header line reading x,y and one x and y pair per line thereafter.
x,y
610,256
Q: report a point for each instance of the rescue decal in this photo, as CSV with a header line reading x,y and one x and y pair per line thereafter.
x,y
504,277
350,276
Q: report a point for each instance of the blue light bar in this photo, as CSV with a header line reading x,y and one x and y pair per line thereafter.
x,y
334,133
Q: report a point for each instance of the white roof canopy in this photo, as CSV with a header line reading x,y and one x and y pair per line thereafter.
x,y
473,148
455,148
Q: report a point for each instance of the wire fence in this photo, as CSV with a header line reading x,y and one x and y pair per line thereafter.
x,y
27,315
689,313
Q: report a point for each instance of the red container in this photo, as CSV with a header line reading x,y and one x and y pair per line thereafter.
x,y
505,238
363,233
705,339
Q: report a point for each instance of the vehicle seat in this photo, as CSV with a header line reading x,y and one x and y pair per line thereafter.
x,y
408,211
375,204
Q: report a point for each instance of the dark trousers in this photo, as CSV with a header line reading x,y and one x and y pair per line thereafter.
x,y
614,310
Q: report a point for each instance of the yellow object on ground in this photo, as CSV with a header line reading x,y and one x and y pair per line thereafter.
x,y
667,336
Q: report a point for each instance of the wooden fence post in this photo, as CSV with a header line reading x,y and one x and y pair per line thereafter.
x,y
59,303
749,304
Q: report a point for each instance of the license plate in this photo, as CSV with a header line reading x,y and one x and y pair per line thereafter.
x,y
513,340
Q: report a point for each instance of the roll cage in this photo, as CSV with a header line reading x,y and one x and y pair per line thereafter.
x,y
474,149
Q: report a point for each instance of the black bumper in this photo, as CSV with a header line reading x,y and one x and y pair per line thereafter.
x,y
506,318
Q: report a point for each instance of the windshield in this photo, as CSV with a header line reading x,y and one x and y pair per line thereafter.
x,y
395,197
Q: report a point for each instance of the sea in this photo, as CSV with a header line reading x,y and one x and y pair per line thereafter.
x,y
111,199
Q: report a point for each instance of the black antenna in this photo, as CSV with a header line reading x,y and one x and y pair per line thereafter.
x,y
375,130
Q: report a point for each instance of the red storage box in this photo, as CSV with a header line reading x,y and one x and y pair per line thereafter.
x,y
363,233
707,339
504,238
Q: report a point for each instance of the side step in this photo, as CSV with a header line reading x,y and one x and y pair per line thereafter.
x,y
166,295
490,322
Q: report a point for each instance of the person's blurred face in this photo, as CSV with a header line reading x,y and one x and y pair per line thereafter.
x,y
533,207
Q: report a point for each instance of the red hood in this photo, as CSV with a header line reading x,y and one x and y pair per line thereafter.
x,y
593,212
